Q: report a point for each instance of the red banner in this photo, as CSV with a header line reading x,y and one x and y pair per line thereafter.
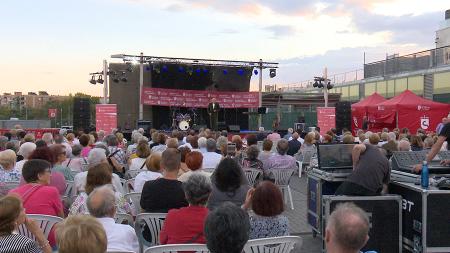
x,y
326,119
52,113
199,98
105,117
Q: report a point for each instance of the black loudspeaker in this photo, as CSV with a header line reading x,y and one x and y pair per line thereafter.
x,y
81,113
234,128
262,110
343,115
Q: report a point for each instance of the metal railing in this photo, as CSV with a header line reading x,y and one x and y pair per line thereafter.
x,y
408,63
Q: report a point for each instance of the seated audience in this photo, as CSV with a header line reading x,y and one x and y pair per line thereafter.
x,y
371,171
289,133
101,204
8,172
391,145
274,136
404,145
266,201
347,229
131,149
75,162
12,215
210,157
229,184
160,144
183,167
294,144
428,143
251,159
281,160
59,151
114,151
84,142
227,229
25,151
152,172
37,195
142,152
97,176
172,143
185,225
202,144
416,143
81,233
194,162
266,151
308,148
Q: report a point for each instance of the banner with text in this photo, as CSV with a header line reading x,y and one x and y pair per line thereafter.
x,y
199,98
52,113
326,119
105,117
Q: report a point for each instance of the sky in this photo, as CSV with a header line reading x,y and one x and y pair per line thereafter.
x,y
53,45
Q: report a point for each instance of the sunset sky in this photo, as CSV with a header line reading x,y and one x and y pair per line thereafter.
x,y
53,45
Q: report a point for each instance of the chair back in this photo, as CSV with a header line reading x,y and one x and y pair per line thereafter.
x,y
282,176
282,244
121,218
154,222
252,175
128,186
198,248
45,222
135,199
132,173
11,184
69,189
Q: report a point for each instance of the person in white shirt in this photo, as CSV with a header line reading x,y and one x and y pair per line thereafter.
x,y
142,152
210,158
101,204
202,144
96,156
152,171
25,150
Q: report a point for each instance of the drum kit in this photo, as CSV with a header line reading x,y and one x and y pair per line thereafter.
x,y
183,121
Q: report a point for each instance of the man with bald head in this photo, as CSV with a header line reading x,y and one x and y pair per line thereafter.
x,y
347,229
101,204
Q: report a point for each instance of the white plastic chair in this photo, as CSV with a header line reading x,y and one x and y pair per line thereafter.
x,y
45,222
11,184
132,173
120,218
135,199
128,186
282,179
198,248
282,244
252,175
154,222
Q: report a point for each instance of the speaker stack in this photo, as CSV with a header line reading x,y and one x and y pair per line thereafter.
x,y
81,114
343,116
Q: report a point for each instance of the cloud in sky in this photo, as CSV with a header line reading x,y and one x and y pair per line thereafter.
x,y
71,39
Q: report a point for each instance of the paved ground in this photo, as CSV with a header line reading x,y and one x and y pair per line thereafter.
x,y
297,217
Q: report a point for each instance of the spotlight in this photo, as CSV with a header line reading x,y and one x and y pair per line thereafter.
x,y
329,85
255,72
93,80
198,71
225,71
315,84
205,71
100,79
240,72
320,86
273,73
123,79
164,68
180,69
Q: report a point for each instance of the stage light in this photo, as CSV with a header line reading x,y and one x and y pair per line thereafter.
x,y
315,84
93,80
198,71
164,68
123,79
115,79
205,71
329,85
100,79
273,73
225,71
255,72
320,86
240,72
180,69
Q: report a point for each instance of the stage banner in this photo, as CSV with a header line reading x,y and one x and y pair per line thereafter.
x,y
199,98
105,117
326,119
52,113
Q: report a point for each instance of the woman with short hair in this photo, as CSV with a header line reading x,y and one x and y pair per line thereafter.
x,y
84,142
266,201
152,171
12,215
142,152
194,161
252,161
8,172
59,152
185,225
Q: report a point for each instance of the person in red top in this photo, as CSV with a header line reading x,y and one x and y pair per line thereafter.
x,y
185,225
37,196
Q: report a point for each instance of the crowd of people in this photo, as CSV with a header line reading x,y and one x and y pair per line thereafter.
x,y
197,178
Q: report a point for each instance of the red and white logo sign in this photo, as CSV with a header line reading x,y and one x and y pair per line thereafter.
x,y
423,108
424,122
52,113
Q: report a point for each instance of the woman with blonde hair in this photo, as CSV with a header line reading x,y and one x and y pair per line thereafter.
x,y
142,153
152,172
308,148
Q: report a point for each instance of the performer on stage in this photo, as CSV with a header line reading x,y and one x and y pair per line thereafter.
x,y
213,111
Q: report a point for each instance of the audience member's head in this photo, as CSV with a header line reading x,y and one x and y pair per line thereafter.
x,y
111,140
416,141
8,159
194,160
142,150
172,143
171,160
347,229
251,140
267,199
295,136
392,136
81,233
384,136
48,138
348,139
202,142
211,145
252,152
404,145
102,202
59,151
84,140
327,138
36,171
76,150
224,133
222,142
374,139
98,175
161,139
153,162
197,189
428,142
184,151
58,138
26,149
228,175
29,138
96,156
310,138
43,153
227,229
12,214
236,139
267,145
282,146
194,142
